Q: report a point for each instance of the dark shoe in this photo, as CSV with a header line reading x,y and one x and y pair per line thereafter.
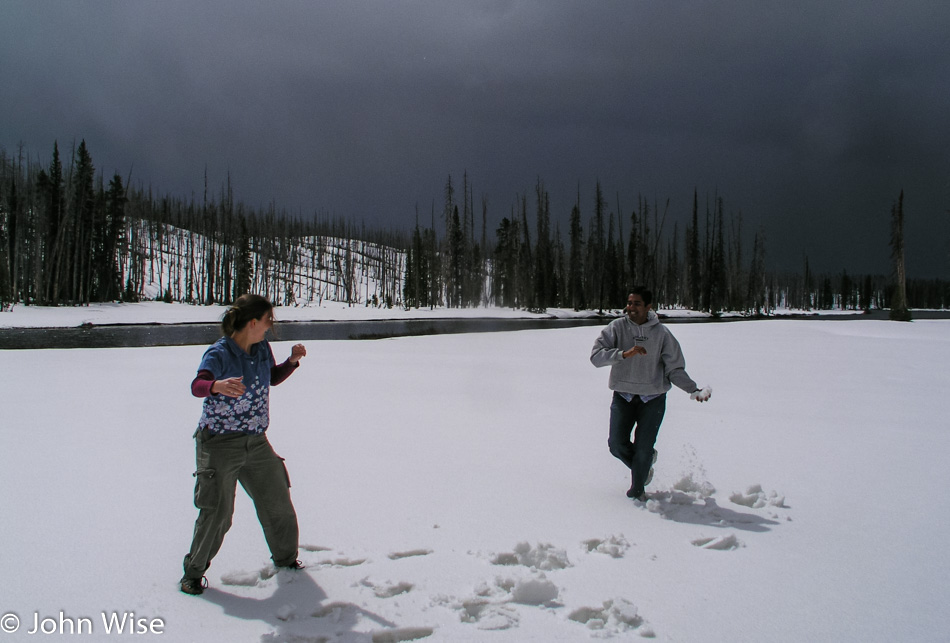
x,y
637,494
650,473
193,586
294,565
649,479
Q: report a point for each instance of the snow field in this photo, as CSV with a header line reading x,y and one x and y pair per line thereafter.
x,y
456,488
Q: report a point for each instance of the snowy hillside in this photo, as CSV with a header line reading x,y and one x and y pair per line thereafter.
x,y
301,271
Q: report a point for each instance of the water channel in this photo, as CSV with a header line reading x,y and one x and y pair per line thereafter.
x,y
140,335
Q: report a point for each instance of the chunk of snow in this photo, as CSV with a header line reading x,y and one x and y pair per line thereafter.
x,y
534,591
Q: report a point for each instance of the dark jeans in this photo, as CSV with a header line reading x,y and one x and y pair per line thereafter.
x,y
646,417
222,462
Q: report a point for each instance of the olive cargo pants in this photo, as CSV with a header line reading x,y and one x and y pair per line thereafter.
x,y
223,461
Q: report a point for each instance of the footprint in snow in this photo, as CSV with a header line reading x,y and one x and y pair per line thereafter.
x,y
342,562
401,634
720,543
396,555
493,605
387,590
614,617
243,578
544,557
613,546
755,498
486,615
492,617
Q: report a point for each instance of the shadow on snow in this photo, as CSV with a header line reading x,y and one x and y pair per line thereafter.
x,y
298,611
682,507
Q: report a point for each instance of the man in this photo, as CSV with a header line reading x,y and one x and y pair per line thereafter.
x,y
644,359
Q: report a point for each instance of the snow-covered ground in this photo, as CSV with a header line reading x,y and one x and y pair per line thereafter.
x,y
161,313
459,488
154,312
20,316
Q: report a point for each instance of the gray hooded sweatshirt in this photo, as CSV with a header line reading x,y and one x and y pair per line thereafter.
x,y
649,374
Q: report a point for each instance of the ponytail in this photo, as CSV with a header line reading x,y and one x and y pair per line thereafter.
x,y
243,310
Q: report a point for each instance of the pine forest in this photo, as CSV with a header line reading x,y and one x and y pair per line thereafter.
x,y
70,236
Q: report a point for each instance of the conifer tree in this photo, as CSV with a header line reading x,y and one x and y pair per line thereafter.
x,y
12,229
6,253
613,269
867,293
756,295
81,249
50,247
693,259
410,289
456,243
575,268
433,261
595,253
673,272
544,276
525,270
507,258
244,267
108,278
808,287
717,266
899,309
560,273
635,251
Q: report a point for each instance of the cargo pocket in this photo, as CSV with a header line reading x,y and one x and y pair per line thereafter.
x,y
206,489
286,473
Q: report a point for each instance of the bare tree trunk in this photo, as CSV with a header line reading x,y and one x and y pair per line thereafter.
x,y
899,311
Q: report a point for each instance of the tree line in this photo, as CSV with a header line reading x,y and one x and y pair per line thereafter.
x,y
69,238
710,267
60,230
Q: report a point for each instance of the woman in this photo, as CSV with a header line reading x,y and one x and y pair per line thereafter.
x,y
234,379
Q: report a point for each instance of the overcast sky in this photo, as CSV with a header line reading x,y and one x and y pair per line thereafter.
x,y
808,117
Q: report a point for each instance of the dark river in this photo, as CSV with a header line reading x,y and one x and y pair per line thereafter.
x,y
128,335
133,335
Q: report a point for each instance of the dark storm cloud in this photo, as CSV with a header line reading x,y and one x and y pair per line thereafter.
x,y
808,118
